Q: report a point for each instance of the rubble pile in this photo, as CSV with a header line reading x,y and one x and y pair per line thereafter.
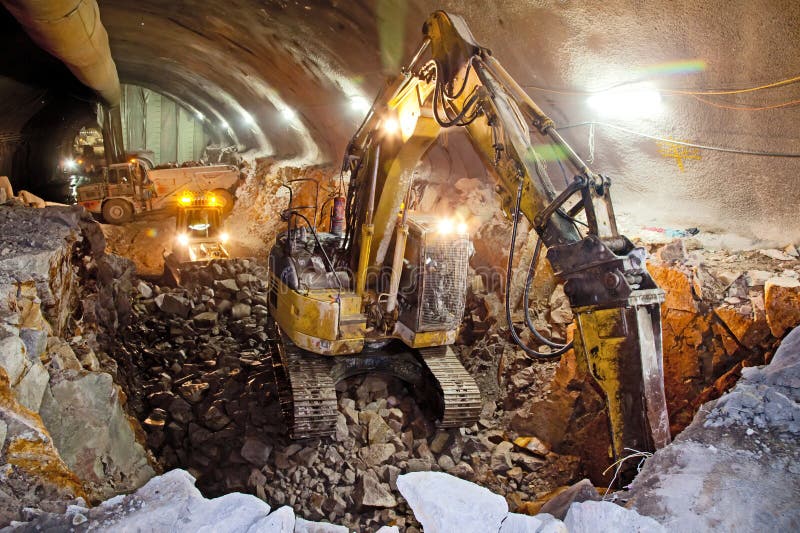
x,y
202,362
738,446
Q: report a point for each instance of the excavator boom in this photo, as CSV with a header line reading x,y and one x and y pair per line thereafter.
x,y
453,82
615,301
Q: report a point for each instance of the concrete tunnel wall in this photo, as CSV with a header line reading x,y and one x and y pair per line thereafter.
x,y
270,61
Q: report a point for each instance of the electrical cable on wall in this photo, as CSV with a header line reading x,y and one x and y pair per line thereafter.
x,y
696,94
741,151
700,92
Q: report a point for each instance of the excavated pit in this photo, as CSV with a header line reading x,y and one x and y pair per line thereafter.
x,y
196,362
199,379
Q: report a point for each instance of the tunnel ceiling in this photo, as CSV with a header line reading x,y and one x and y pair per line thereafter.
x,y
274,57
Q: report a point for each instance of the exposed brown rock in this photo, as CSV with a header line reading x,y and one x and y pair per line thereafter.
x,y
782,304
34,474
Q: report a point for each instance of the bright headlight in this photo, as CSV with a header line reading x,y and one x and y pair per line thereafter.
x,y
445,226
183,239
224,236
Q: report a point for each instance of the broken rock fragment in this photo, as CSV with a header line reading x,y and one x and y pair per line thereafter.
x,y
444,504
371,492
782,304
173,305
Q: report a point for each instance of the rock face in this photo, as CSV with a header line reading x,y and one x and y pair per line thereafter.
x,y
32,474
82,411
736,466
53,271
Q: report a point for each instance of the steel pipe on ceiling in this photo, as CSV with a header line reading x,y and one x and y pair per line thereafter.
x,y
72,31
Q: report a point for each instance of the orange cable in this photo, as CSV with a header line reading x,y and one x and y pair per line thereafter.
x,y
745,108
786,81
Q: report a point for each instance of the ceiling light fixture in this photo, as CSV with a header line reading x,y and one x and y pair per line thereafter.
x,y
627,103
359,104
288,114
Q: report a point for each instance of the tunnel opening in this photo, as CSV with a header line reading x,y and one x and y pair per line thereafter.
x,y
83,160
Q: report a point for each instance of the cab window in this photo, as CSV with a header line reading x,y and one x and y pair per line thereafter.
x,y
202,223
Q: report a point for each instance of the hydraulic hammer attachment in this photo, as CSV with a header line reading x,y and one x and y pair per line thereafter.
x,y
618,315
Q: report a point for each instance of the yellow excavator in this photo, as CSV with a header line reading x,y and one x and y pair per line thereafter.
x,y
384,289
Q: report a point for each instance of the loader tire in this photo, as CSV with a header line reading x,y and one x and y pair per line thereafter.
x,y
116,211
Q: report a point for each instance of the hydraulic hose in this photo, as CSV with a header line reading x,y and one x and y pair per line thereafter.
x,y
526,299
529,351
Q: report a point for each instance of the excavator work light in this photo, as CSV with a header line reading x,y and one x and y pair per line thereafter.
x,y
224,236
391,126
186,199
183,239
445,226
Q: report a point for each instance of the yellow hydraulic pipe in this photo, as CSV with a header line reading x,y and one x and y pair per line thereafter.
x,y
397,265
367,230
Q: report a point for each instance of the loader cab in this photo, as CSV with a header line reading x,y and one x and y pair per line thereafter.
x,y
120,179
200,235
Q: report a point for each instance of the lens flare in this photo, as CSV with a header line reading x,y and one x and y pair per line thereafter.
x,y
627,102
391,126
445,226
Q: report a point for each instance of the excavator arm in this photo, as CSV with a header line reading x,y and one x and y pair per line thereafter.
x,y
454,82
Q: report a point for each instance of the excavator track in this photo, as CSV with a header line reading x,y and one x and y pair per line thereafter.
x,y
461,397
306,385
306,390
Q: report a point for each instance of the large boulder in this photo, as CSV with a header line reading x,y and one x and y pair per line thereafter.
x,y
172,503
735,468
607,516
83,413
782,304
443,503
